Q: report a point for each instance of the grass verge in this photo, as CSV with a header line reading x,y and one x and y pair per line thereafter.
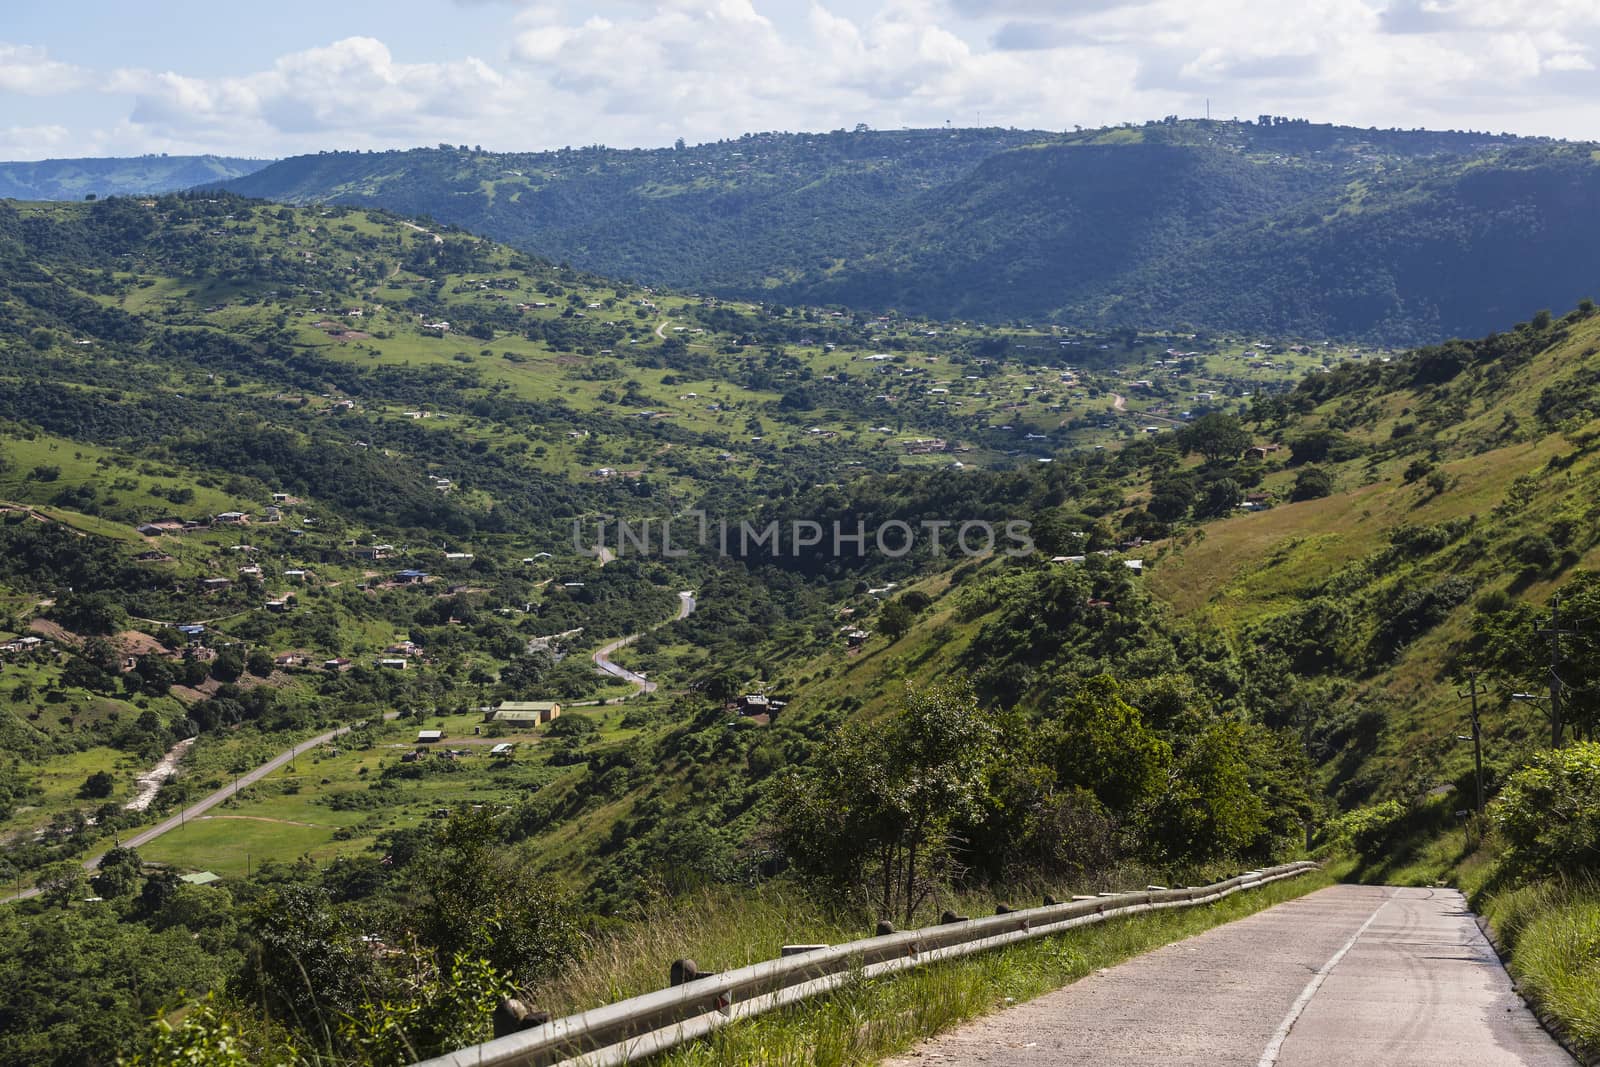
x,y
871,1018
1552,932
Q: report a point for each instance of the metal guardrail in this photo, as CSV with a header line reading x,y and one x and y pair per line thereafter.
x,y
642,1026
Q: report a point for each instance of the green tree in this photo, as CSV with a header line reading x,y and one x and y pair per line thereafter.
x,y
895,619
1221,497
228,666
306,966
1208,809
118,873
876,811
1216,436
1093,739
60,883
481,901
1312,483
259,662
98,785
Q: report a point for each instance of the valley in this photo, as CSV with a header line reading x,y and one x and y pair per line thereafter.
x,y
318,487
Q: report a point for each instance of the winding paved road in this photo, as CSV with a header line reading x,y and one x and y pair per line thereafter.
x,y
686,606
249,778
1349,975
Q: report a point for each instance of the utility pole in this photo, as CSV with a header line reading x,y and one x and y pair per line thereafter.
x,y
1473,692
1555,633
1305,745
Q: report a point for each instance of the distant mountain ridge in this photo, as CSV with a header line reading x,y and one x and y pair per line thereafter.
x,y
74,179
1284,226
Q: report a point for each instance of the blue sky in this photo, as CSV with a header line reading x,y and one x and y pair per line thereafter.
x,y
103,77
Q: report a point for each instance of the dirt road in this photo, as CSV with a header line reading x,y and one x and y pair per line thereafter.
x,y
1347,975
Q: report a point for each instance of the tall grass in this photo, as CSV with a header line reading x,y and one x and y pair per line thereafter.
x,y
1552,931
722,928
867,1018
718,928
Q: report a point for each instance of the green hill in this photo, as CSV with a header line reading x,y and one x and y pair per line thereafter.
x,y
351,447
74,179
1282,226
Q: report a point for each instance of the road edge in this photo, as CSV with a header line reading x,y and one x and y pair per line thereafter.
x,y
1549,1022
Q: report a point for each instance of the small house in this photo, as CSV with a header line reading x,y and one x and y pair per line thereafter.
x,y
428,737
393,663
525,712
754,704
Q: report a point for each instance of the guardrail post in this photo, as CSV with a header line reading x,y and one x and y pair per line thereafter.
x,y
512,1015
686,970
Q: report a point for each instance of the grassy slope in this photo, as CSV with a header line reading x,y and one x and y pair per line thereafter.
x,y
1255,566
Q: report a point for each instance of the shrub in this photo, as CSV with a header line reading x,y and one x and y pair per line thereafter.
x,y
1366,830
1312,483
1549,813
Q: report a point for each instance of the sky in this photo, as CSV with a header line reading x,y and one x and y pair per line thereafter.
x,y
108,77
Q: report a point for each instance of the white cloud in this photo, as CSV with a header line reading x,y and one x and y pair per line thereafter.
x,y
33,142
642,72
30,70
350,92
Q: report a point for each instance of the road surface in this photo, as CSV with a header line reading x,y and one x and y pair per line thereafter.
x,y
1349,975
638,681
244,781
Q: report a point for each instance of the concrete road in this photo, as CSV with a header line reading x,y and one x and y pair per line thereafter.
x,y
641,684
1349,975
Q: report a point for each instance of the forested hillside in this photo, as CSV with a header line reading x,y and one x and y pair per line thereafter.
x,y
74,179
1276,225
270,471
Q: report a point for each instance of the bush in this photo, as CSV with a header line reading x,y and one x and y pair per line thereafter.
x,y
1366,830
1312,483
1549,813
